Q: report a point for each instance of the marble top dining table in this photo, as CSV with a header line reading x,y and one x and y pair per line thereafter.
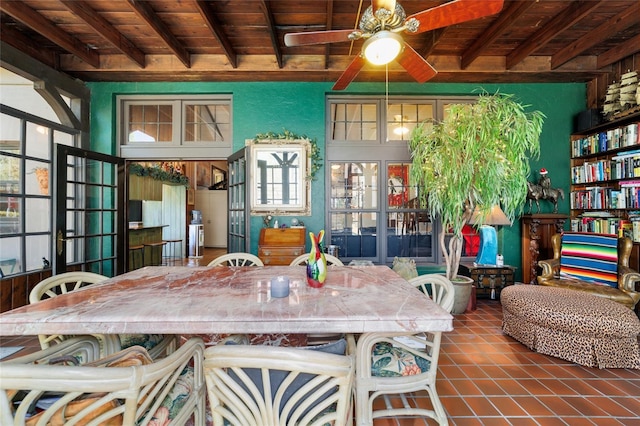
x,y
186,300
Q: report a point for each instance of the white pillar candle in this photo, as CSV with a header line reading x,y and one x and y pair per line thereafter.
x,y
280,286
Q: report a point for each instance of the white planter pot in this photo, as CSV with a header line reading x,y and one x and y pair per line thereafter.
x,y
462,291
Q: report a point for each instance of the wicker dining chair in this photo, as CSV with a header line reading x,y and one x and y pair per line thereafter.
x,y
167,390
274,385
67,282
83,348
64,283
401,363
303,258
237,259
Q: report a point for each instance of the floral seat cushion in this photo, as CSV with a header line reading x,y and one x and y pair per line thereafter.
x,y
391,361
175,400
274,339
147,341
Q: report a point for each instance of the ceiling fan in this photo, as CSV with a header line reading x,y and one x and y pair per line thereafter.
x,y
380,27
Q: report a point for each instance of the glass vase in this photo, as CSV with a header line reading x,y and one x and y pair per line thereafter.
x,y
317,264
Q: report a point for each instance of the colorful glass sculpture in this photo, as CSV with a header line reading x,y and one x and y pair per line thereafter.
x,y
317,265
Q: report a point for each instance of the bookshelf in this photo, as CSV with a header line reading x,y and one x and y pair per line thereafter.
x,y
605,178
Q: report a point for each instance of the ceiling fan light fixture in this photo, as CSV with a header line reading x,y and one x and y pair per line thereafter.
x,y
382,48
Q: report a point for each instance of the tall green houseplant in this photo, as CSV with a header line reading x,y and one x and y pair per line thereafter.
x,y
477,157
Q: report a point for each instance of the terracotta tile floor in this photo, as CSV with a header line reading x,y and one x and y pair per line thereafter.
x,y
487,378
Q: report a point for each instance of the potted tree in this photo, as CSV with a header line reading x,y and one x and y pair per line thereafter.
x,y
474,159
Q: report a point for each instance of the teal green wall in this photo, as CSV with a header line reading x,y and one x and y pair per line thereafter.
x,y
300,108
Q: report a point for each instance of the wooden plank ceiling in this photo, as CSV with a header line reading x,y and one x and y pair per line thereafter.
x,y
242,40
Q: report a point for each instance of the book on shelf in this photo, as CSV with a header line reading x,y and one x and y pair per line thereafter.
x,y
626,154
635,226
599,214
625,229
620,137
600,224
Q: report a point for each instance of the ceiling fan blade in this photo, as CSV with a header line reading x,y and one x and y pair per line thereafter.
x,y
316,37
455,12
416,65
350,73
390,5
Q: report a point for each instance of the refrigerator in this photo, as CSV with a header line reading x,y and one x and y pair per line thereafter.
x,y
196,240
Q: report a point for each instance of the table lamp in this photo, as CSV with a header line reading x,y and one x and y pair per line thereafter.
x,y
488,252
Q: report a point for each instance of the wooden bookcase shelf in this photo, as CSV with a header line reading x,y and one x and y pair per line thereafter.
x,y
605,181
605,177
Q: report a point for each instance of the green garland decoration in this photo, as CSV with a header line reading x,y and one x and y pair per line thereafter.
x,y
316,159
157,173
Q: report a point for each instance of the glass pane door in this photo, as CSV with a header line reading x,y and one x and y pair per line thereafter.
x,y
354,210
409,228
90,215
237,239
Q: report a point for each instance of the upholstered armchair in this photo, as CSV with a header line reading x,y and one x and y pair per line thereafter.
x,y
594,263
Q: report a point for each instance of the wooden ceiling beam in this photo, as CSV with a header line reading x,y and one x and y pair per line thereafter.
x,y
271,27
43,26
621,21
329,26
431,39
619,52
330,78
559,23
300,64
485,69
100,25
216,28
26,45
146,13
505,20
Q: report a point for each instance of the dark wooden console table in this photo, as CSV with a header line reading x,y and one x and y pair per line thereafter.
x,y
489,279
537,230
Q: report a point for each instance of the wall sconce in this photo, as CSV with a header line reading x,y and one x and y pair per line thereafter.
x,y
488,253
382,47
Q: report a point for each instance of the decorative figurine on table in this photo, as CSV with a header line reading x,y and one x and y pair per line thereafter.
x,y
317,264
543,191
545,182
267,221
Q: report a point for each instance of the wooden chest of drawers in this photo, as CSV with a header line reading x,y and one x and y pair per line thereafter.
x,y
279,246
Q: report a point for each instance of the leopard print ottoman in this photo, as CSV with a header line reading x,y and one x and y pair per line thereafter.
x,y
572,325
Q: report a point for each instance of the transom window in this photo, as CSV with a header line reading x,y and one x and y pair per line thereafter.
x,y
402,118
354,121
207,122
150,123
195,126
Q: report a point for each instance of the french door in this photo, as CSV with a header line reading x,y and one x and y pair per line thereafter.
x,y
238,220
89,212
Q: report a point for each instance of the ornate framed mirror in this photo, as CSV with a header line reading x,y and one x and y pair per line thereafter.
x,y
278,176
